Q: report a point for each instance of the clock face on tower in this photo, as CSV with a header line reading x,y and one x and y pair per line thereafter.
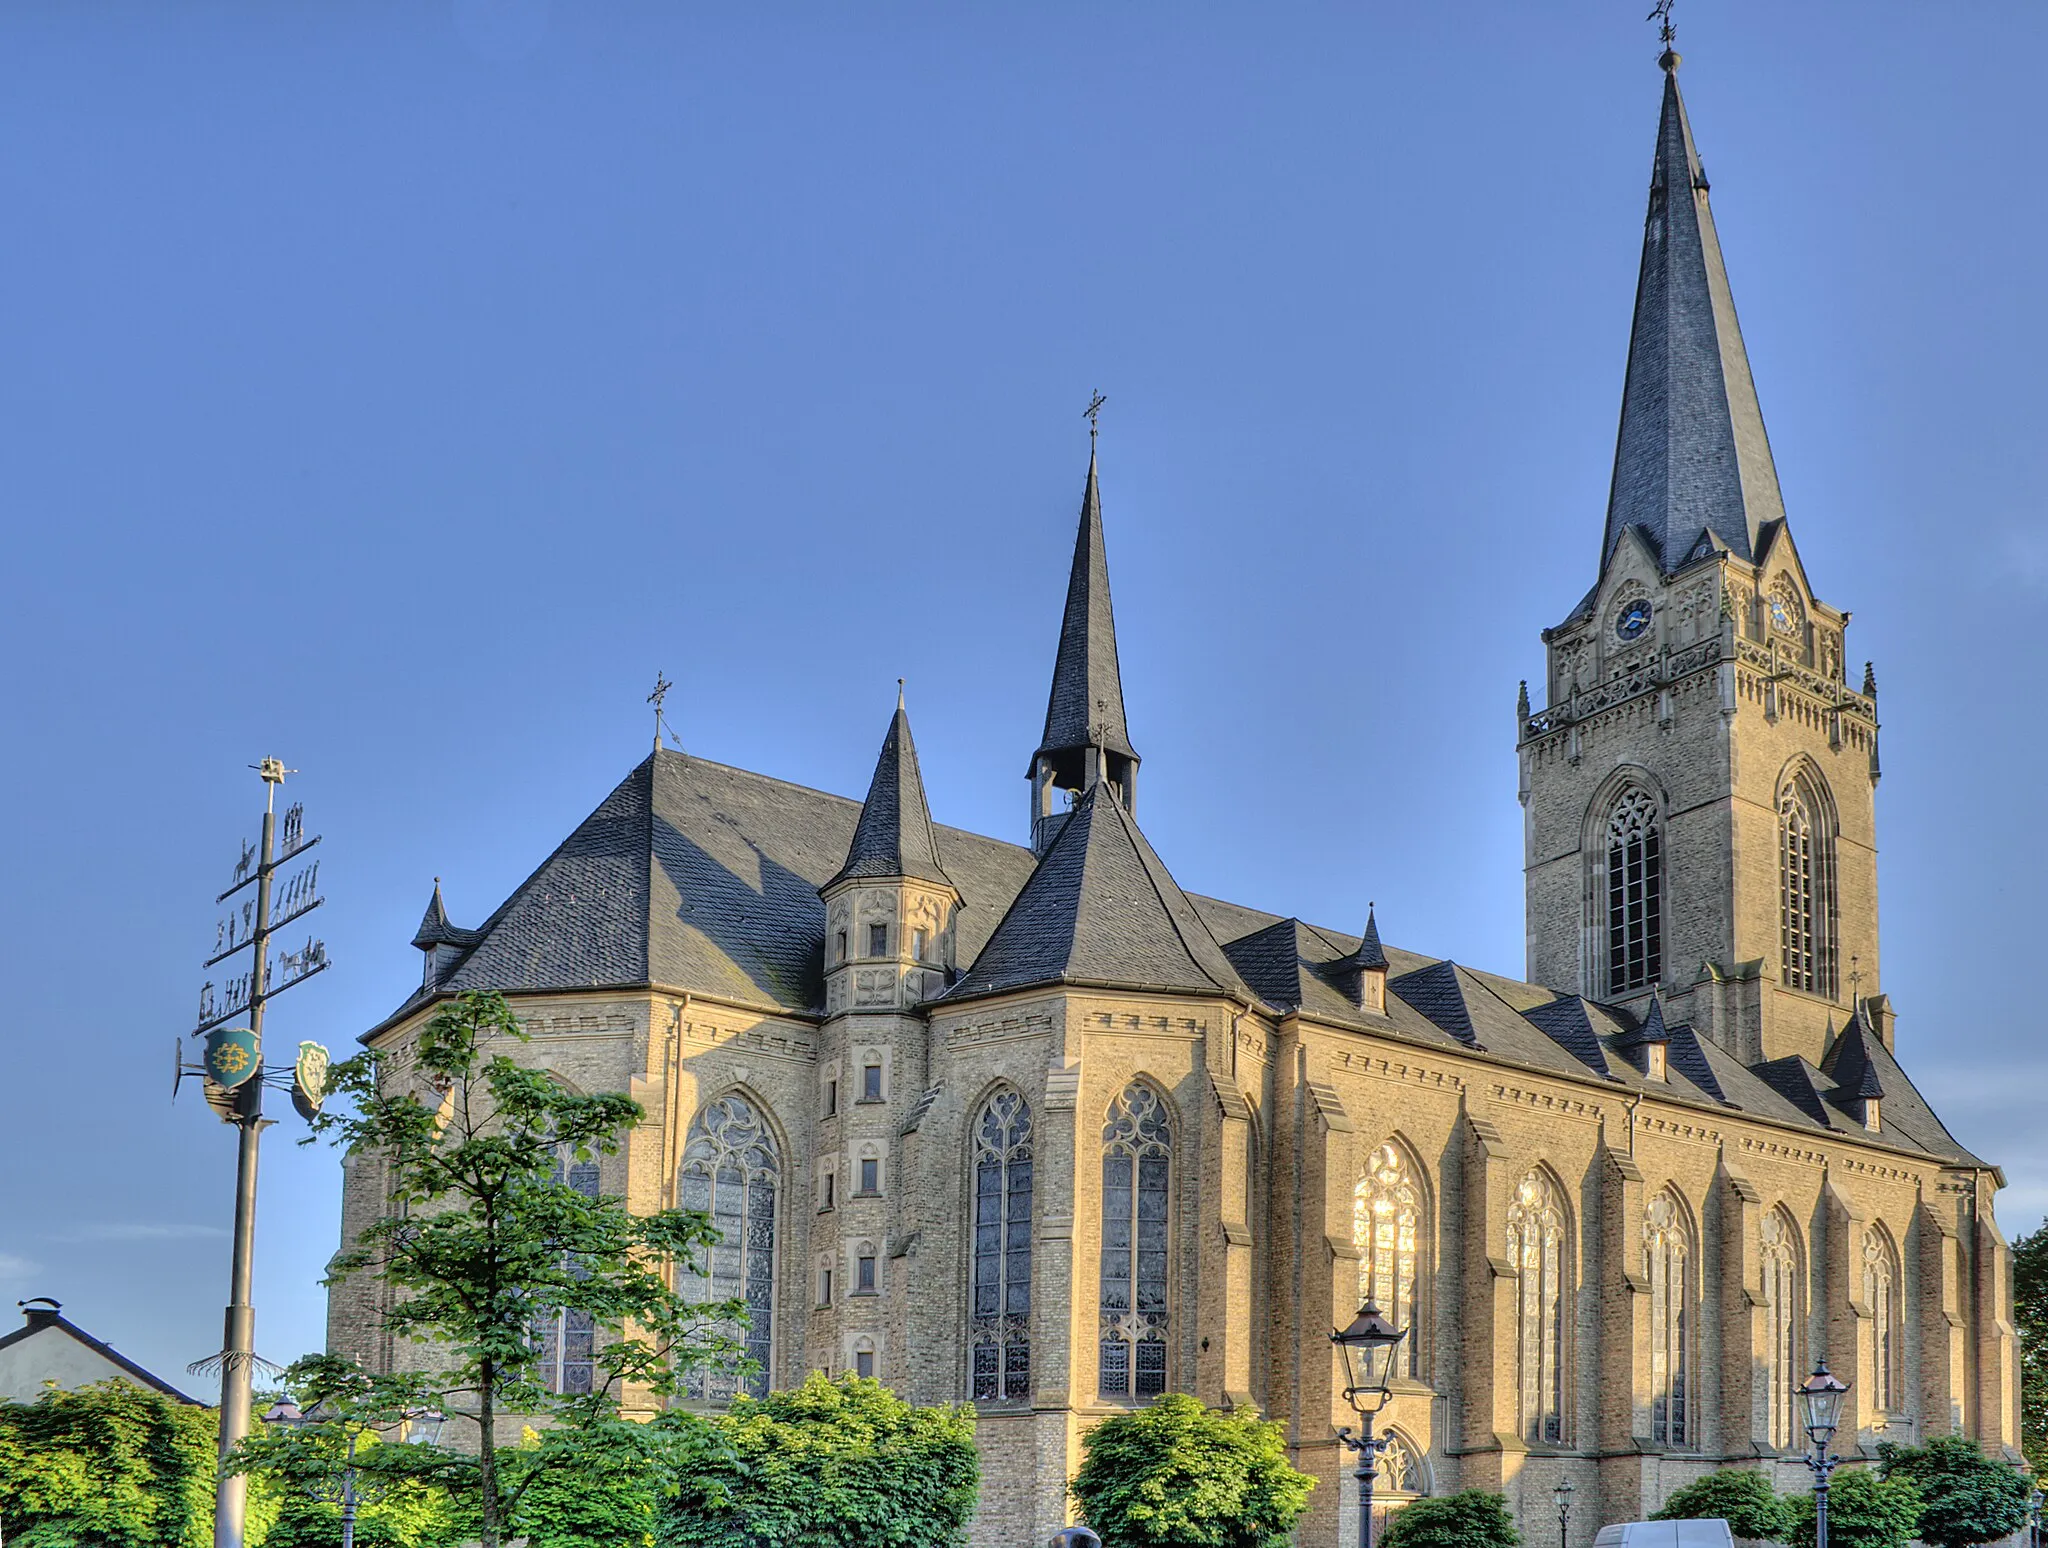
x,y
1633,619
1781,612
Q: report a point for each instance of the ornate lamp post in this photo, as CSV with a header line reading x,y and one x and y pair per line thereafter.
x,y
1368,1347
347,1489
2034,1518
1562,1494
1820,1407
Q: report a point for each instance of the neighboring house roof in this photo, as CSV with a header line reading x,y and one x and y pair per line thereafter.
x,y
1692,465
894,836
27,1360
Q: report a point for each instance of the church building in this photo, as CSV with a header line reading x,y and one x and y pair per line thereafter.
x,y
1025,1125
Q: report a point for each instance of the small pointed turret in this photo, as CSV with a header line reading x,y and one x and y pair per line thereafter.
x,y
1692,458
441,941
1363,974
1086,741
894,836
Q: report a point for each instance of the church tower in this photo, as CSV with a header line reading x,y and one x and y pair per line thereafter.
x,y
1698,792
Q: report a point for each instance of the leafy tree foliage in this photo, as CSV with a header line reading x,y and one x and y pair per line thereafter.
x,y
2030,1312
1471,1518
486,1235
1864,1511
1178,1475
1965,1497
106,1466
1741,1497
839,1463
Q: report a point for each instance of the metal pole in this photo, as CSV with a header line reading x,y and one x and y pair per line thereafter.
x,y
1367,1472
238,1344
348,1495
1564,1523
1820,1503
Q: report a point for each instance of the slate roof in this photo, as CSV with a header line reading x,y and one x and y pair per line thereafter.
x,y
435,929
1102,909
894,834
1086,705
1850,1062
1692,457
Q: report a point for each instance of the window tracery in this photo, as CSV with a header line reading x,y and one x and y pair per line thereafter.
x,y
566,1340
730,1170
1806,885
1536,1246
1667,1249
1634,892
999,1334
1779,1260
1137,1151
1386,1227
1881,1295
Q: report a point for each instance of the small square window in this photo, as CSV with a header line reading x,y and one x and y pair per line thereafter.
x,y
878,940
832,1097
824,1287
866,1280
870,1175
864,1365
917,944
871,1083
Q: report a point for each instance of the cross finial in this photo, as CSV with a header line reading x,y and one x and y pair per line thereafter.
x,y
1855,981
661,688
1093,414
1666,33
899,693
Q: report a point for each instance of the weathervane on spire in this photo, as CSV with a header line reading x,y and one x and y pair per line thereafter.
x,y
661,688
1666,34
1093,413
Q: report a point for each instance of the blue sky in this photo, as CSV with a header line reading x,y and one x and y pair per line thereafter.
x,y
394,388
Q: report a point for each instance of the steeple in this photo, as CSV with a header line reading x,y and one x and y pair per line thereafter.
x,y
442,941
1086,741
894,836
1692,457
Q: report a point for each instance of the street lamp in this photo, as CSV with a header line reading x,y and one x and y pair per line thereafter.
x,y
418,1426
1562,1494
2034,1518
1368,1347
1820,1406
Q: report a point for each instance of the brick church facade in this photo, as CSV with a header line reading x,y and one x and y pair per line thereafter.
x,y
1027,1126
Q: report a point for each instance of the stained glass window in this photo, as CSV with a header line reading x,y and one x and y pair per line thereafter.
x,y
1386,1227
999,1318
1881,1295
1137,1152
1537,1248
1806,886
1635,893
729,1171
567,1340
1779,1260
1667,1247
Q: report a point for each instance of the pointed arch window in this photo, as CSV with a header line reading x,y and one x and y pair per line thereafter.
x,y
1634,888
1668,1251
1779,1260
1137,1163
566,1340
730,1171
1806,884
1537,1248
1887,1347
999,1335
1387,1229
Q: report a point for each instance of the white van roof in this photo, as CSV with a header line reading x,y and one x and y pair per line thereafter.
x,y
1665,1534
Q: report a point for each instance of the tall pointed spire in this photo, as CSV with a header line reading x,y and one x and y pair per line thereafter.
x,y
894,836
1085,740
1692,457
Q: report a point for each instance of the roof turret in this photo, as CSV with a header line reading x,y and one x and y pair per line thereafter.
x,y
1692,459
435,928
1086,706
894,837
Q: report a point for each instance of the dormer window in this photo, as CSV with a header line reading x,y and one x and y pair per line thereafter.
x,y
878,940
1658,1066
1372,991
1870,1114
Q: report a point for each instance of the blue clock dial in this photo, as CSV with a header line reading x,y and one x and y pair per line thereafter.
x,y
1633,620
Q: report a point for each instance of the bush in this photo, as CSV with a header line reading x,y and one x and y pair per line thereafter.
x,y
1742,1498
1864,1511
1178,1475
1965,1497
110,1465
835,1464
1470,1519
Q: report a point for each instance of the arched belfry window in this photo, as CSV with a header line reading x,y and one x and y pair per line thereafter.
x,y
1806,883
1779,1260
999,1334
1137,1164
1881,1288
730,1170
1670,1268
1537,1247
567,1340
1633,892
1387,1229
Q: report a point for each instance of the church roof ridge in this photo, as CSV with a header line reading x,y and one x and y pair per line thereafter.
x,y
894,835
1691,453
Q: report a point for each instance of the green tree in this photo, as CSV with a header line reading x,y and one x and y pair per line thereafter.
x,y
839,1463
1469,1519
1177,1475
486,1235
1741,1497
106,1466
1864,1511
1965,1497
2030,1313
